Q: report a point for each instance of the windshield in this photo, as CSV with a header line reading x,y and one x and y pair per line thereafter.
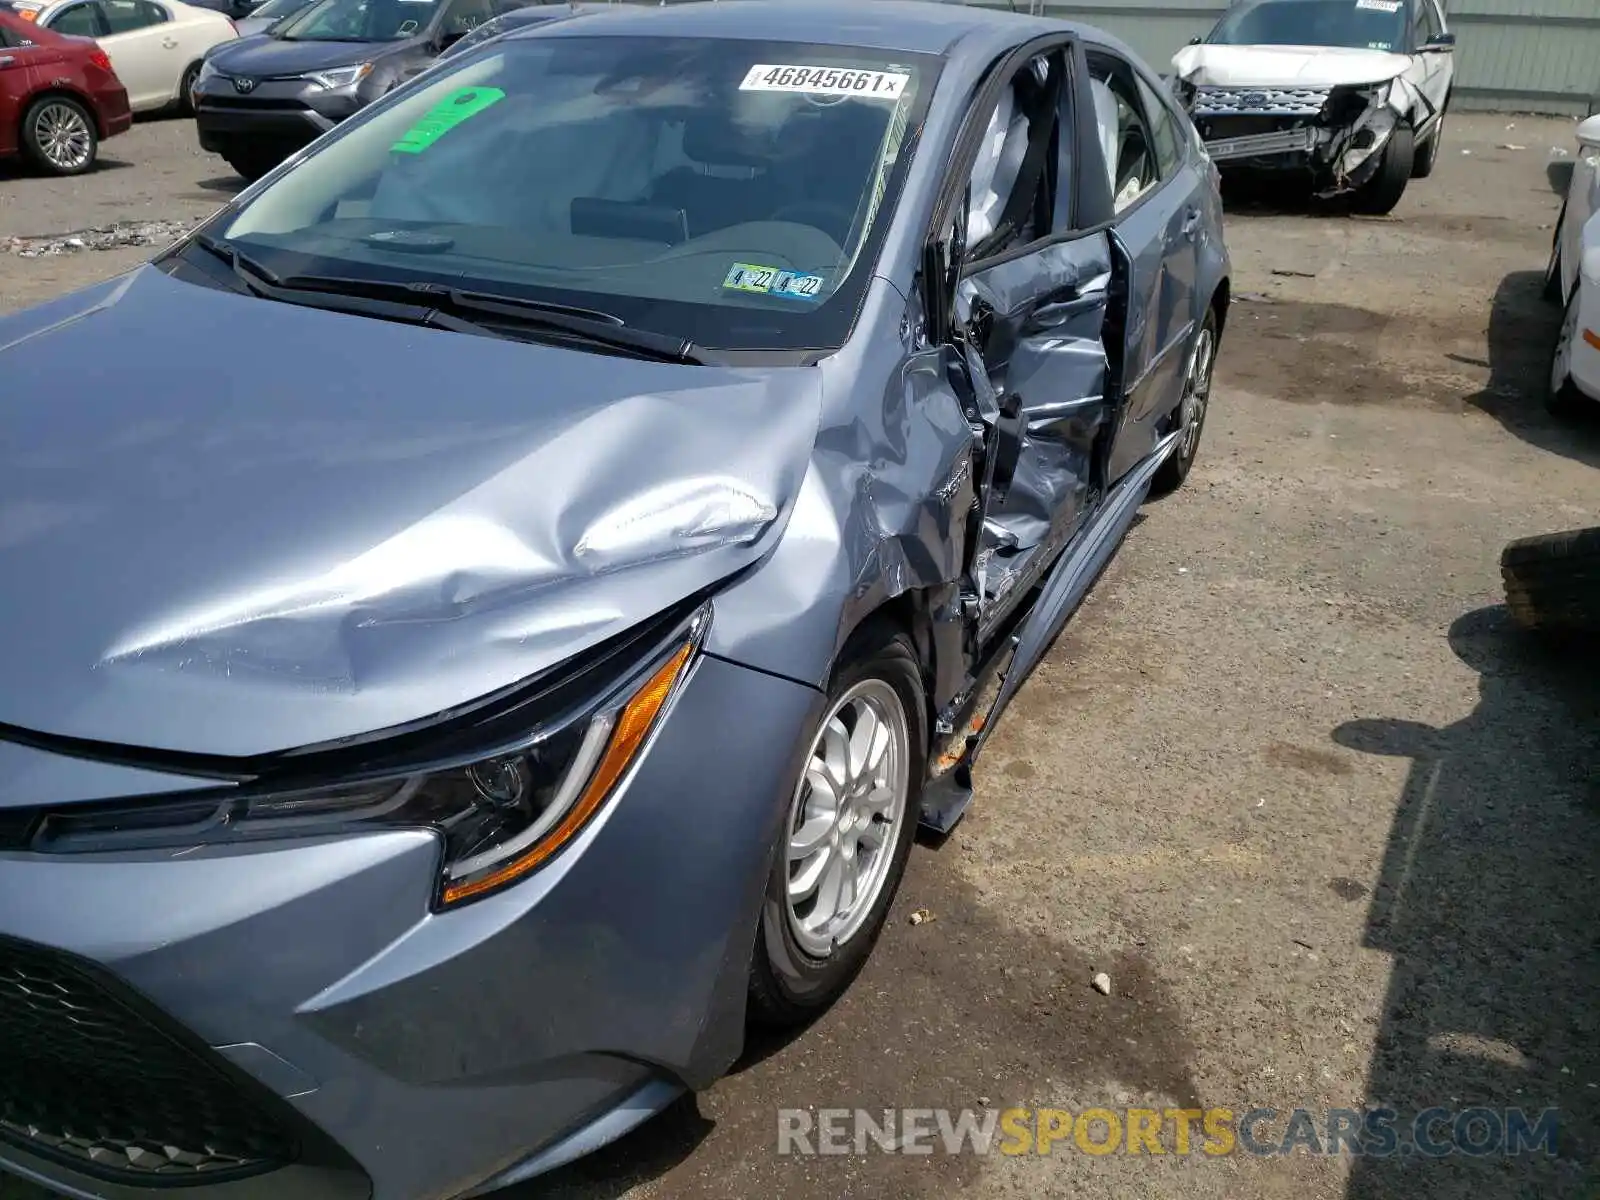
x,y
359,21
1353,24
728,192
274,10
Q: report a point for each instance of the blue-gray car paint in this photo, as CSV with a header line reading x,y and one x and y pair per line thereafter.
x,y
172,564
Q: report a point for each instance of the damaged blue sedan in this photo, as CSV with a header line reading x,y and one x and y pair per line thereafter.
x,y
486,613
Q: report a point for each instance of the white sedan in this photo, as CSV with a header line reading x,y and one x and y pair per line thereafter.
x,y
1573,278
155,46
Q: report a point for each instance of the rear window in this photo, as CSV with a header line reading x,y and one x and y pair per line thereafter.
x,y
729,192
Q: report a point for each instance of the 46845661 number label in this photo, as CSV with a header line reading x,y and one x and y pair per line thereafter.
x,y
825,81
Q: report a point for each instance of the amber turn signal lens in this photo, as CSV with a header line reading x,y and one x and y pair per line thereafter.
x,y
632,725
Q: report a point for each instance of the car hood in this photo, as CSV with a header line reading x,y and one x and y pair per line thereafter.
x,y
231,526
1284,66
263,56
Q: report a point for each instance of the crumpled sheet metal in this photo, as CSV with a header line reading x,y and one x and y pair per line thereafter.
x,y
1058,365
1397,100
379,564
882,509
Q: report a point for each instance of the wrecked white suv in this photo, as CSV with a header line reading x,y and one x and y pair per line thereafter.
x,y
1350,94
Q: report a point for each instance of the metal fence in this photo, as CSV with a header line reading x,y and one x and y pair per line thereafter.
x,y
1513,55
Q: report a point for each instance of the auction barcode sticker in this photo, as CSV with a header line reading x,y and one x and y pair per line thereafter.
x,y
825,81
1388,6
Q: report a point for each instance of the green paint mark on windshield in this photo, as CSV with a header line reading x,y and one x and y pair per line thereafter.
x,y
445,116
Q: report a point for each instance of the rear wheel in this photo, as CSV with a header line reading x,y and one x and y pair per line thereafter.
x,y
1379,195
186,87
847,835
1191,414
59,136
1428,153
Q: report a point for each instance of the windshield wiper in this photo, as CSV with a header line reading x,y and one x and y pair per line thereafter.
x,y
262,282
585,324
366,298
250,272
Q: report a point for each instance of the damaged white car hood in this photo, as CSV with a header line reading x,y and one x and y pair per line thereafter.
x,y
1284,66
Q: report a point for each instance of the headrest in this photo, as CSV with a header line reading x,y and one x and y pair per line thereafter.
x,y
714,138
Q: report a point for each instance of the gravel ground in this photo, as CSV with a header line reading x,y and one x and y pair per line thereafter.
x,y
1327,823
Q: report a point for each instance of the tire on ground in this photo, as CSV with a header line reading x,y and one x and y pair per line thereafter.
x,y
30,136
1382,192
1552,581
789,986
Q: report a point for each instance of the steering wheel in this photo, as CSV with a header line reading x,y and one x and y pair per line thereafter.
x,y
833,216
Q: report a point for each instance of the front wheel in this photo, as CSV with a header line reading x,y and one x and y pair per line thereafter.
x,y
847,834
1378,195
1191,413
252,165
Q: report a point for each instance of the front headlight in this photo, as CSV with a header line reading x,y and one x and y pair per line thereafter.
x,y
208,70
340,77
501,814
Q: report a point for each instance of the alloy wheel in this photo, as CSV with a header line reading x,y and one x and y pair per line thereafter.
x,y
1197,391
63,136
846,817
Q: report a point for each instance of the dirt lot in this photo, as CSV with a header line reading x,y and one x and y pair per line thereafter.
x,y
1332,829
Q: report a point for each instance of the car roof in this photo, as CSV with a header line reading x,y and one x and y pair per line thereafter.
x,y
912,26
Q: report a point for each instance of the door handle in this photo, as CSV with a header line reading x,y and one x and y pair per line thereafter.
x,y
1191,222
169,44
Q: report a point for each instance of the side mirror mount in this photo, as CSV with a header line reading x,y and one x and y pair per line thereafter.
x,y
1442,43
1196,40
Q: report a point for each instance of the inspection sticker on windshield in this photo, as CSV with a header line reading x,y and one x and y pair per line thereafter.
x,y
1388,6
825,81
444,116
772,281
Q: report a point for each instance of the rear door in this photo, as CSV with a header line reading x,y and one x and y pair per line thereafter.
x,y
144,50
1029,297
1156,199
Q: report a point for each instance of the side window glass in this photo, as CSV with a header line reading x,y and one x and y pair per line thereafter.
x,y
1012,184
154,14
1163,129
81,20
1125,137
125,16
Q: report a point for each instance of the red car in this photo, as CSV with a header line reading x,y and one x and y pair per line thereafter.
x,y
58,97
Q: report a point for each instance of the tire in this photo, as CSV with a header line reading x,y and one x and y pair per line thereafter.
x,y
1192,408
191,76
797,973
1552,582
59,136
1427,155
252,164
1552,270
1378,196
